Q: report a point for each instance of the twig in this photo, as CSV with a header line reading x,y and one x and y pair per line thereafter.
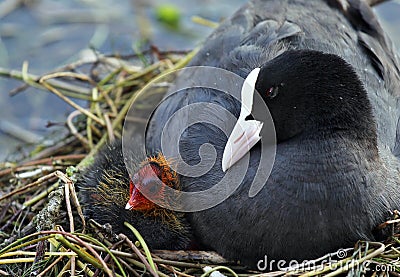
x,y
19,132
67,183
51,160
66,88
17,260
197,256
104,248
32,253
40,196
53,150
11,220
143,244
40,253
375,2
70,188
205,22
47,269
110,131
4,210
70,102
29,186
175,272
134,272
74,131
65,269
388,222
3,273
107,258
155,259
150,51
139,254
35,172
83,267
59,237
7,7
18,89
67,74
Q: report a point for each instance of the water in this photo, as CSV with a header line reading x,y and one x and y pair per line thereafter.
x,y
52,33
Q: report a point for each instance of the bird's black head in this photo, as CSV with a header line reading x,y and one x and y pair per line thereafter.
x,y
310,91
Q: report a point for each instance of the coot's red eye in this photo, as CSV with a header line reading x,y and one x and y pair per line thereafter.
x,y
269,91
272,91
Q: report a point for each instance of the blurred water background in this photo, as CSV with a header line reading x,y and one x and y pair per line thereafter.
x,y
51,33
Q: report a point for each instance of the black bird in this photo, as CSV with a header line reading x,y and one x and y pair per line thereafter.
x,y
330,78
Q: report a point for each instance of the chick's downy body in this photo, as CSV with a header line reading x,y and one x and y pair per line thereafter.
x,y
104,189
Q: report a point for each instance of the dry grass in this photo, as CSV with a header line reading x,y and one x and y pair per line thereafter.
x,y
42,230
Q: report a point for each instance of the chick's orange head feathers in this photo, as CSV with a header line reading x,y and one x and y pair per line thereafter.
x,y
147,182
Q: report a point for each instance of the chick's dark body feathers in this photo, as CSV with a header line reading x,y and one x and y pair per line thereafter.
x,y
104,192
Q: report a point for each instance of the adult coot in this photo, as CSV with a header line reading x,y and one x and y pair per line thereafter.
x,y
330,78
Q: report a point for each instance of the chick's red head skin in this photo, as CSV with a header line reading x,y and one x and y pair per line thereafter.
x,y
146,181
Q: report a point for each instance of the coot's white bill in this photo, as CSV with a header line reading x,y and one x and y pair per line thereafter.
x,y
246,133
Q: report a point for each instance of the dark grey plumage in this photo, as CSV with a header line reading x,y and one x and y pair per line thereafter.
x,y
332,182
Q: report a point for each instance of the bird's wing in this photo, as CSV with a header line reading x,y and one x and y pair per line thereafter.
x,y
381,54
374,41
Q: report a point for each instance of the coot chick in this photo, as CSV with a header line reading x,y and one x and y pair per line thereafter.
x,y
331,81
105,187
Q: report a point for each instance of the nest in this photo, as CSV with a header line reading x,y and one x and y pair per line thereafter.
x,y
42,229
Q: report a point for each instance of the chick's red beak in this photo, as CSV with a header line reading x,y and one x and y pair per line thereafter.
x,y
139,182
134,200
